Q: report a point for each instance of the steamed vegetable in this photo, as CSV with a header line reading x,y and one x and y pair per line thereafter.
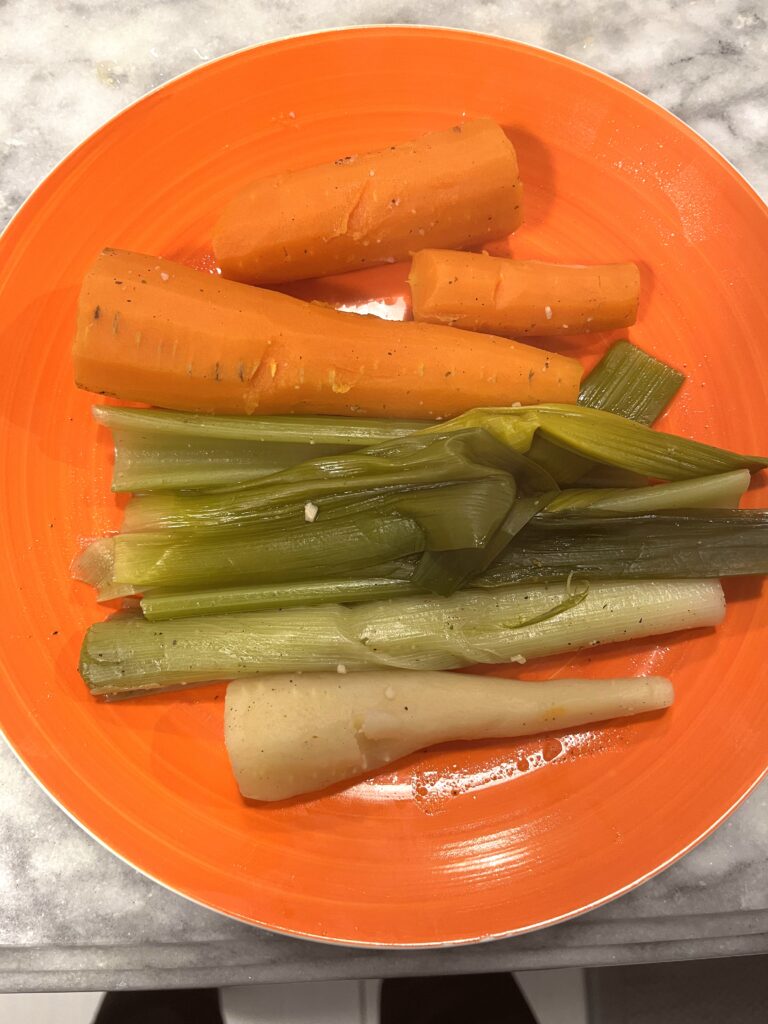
x,y
333,508
159,605
458,494
626,381
293,734
160,450
588,543
153,331
129,654
450,452
456,188
723,490
426,459
454,517
616,441
594,545
631,383
517,298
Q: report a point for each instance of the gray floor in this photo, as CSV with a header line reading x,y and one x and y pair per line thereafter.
x,y
728,991
732,990
556,997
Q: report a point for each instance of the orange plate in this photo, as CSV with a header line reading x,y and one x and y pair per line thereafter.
x,y
464,842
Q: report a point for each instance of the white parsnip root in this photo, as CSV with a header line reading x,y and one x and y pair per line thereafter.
x,y
293,734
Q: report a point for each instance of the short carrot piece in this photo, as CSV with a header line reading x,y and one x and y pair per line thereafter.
x,y
153,331
517,298
457,188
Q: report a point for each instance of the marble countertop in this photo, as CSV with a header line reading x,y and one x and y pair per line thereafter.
x,y
73,916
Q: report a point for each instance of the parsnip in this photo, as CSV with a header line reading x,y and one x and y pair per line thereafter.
x,y
293,734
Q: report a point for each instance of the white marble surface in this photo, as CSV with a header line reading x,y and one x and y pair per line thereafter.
x,y
71,914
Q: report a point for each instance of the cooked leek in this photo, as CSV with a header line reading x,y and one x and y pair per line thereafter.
x,y
95,565
166,463
451,517
604,545
626,381
158,606
630,383
411,462
428,458
588,545
443,571
160,450
129,654
616,441
346,431
723,490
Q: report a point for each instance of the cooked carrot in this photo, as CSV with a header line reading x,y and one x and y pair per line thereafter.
x,y
456,188
153,331
521,297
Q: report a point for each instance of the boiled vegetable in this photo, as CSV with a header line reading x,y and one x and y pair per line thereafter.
x,y
626,381
615,441
419,460
292,734
589,544
451,452
457,497
456,188
160,450
153,331
697,543
723,490
451,517
518,298
631,383
159,605
338,431
128,654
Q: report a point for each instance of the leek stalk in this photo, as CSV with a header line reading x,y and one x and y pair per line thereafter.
x,y
128,654
587,544
723,490
451,517
626,381
598,545
160,450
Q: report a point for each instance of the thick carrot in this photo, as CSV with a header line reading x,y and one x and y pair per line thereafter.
x,y
521,297
153,331
456,188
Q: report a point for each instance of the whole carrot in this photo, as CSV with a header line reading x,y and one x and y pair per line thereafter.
x,y
522,297
153,331
456,188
